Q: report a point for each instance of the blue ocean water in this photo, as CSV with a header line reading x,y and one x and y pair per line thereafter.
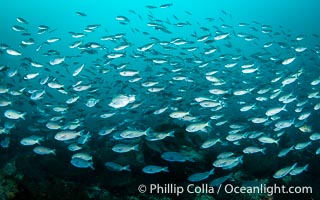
x,y
216,68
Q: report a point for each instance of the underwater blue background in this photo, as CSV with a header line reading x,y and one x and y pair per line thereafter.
x,y
295,15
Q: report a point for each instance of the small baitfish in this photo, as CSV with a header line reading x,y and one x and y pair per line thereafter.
x,y
195,127
172,156
228,163
129,134
81,163
13,114
253,149
299,170
284,171
31,140
153,169
197,177
124,148
67,135
41,150
117,167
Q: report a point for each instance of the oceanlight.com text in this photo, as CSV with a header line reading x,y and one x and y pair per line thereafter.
x,y
228,189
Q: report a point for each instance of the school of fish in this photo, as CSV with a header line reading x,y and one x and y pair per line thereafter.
x,y
228,91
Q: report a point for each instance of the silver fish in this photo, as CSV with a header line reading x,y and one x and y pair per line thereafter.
x,y
152,169
284,171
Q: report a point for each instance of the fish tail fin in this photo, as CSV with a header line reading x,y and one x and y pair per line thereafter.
x,y
147,131
23,116
171,134
91,166
135,147
240,159
80,133
284,108
88,135
126,168
264,150
165,169
40,140
53,151
208,124
306,167
294,166
277,142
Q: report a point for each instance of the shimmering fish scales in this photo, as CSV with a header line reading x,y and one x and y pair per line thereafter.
x,y
284,171
268,140
123,148
299,170
152,169
210,142
38,95
13,52
57,61
315,136
302,145
259,120
13,114
129,73
78,70
178,114
160,111
200,176
146,47
31,140
41,150
155,136
67,135
129,134
21,20
225,155
275,110
122,18
288,61
284,124
285,151
121,101
74,147
82,155
221,36
53,125
253,149
106,130
195,127
228,163
30,76
80,163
